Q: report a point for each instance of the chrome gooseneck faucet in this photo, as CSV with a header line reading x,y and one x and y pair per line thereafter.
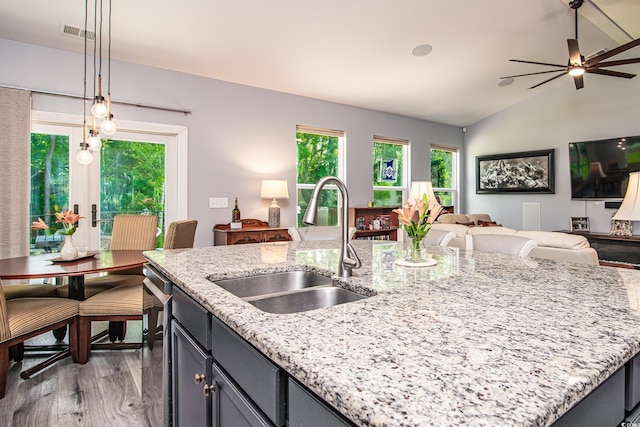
x,y
348,257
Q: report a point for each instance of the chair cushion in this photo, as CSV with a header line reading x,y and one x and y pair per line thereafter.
x,y
29,290
29,314
123,300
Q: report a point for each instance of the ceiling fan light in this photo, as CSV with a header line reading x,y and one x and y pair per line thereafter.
x,y
576,70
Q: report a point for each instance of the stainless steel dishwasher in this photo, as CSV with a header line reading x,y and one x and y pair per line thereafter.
x,y
156,386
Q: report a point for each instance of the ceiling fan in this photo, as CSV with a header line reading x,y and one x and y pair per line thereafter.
x,y
577,65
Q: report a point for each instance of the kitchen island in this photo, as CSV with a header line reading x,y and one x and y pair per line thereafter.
x,y
478,339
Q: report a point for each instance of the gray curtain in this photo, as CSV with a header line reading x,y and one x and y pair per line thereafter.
x,y
15,164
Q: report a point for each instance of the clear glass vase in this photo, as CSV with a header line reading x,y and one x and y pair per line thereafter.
x,y
68,249
415,251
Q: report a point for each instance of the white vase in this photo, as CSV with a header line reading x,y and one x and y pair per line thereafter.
x,y
68,249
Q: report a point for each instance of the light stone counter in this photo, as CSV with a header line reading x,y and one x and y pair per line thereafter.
x,y
478,339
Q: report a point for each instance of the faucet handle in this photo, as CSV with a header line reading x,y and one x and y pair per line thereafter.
x,y
351,259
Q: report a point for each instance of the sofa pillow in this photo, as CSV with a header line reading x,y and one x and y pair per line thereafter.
x,y
488,224
492,230
556,239
460,230
453,219
479,217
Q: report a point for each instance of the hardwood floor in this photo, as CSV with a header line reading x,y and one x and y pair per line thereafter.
x,y
104,392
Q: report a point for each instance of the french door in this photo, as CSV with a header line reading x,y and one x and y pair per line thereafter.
x,y
136,172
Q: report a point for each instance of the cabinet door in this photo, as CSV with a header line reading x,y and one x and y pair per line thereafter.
x,y
190,406
231,407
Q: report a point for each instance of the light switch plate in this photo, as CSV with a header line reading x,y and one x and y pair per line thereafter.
x,y
218,202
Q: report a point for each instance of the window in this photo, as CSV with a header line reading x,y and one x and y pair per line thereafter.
x,y
319,155
389,170
444,174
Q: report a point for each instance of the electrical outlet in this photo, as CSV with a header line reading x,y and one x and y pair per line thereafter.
x,y
218,202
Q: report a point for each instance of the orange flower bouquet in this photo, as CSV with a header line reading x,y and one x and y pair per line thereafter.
x,y
68,219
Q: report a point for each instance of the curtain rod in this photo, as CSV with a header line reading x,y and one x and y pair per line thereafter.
x,y
130,104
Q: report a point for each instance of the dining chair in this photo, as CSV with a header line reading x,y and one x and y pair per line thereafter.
x,y
122,303
501,243
319,232
24,318
438,237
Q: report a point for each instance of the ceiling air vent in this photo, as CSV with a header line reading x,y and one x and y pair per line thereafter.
x,y
596,53
76,32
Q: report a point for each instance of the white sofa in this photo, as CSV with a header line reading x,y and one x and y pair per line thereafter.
x,y
552,245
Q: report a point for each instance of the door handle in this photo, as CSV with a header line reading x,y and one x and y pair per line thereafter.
x,y
94,214
75,211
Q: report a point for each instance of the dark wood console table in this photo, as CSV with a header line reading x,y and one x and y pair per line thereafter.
x,y
252,231
615,249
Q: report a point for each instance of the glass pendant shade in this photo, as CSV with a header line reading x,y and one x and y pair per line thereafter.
x,y
108,126
99,108
94,140
84,156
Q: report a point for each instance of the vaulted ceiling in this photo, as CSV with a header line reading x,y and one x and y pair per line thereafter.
x,y
355,52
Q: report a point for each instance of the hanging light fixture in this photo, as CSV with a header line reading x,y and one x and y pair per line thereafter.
x,y
108,127
100,109
84,156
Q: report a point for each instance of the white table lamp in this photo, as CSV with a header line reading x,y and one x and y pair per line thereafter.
x,y
274,189
630,208
418,188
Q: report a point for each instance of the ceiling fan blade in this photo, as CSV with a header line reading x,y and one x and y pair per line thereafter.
x,y
574,52
579,81
613,52
547,81
538,63
610,73
615,63
532,74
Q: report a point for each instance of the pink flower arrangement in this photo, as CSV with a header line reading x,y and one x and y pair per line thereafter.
x,y
68,219
416,218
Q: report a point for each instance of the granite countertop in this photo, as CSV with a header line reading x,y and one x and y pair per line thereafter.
x,y
478,339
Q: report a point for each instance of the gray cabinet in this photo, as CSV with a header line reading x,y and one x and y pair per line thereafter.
x,y
191,372
306,410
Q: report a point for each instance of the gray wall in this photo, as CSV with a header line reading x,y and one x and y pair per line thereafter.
x,y
551,117
238,135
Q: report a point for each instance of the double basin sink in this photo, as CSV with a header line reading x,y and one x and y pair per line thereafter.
x,y
288,292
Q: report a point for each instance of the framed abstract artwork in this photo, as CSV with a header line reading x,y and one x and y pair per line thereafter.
x,y
524,172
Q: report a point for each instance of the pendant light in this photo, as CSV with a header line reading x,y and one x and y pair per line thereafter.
x,y
99,108
84,156
108,127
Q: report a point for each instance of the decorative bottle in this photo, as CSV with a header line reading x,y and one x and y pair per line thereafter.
x,y
235,213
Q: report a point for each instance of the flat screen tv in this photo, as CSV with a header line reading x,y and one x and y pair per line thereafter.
x,y
600,169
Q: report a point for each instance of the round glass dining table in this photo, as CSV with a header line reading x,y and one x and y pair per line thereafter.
x,y
51,266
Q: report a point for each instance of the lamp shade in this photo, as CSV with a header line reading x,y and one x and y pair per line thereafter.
x,y
274,189
630,208
418,188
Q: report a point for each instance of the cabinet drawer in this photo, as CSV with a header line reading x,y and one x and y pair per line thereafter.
x,y
276,236
604,406
307,410
193,317
245,237
261,380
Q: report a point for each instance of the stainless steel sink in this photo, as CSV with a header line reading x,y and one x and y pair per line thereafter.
x,y
272,283
308,299
288,292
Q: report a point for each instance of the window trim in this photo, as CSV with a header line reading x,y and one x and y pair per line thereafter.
x,y
455,173
405,163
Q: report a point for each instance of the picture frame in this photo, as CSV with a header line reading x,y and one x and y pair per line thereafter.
x,y
621,227
579,224
522,172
